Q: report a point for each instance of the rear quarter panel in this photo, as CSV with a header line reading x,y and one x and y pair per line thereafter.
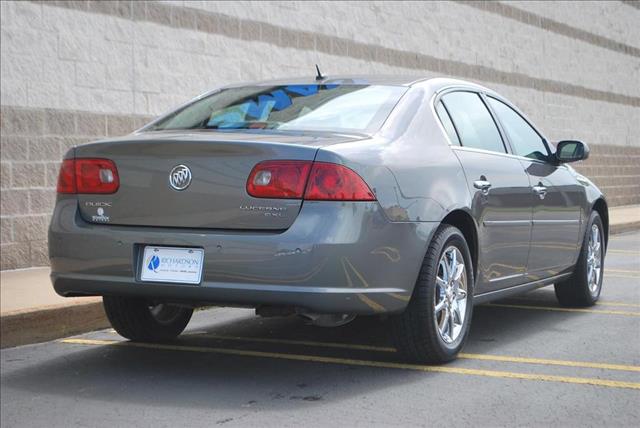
x,y
409,165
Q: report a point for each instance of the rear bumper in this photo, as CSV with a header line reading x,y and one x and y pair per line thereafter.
x,y
335,258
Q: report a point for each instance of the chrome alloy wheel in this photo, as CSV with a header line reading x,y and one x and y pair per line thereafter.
x,y
594,259
450,298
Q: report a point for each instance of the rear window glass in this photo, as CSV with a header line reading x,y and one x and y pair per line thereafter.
x,y
447,124
322,107
473,121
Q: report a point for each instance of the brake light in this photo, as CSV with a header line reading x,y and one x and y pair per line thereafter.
x,y
333,182
88,176
322,181
278,179
67,177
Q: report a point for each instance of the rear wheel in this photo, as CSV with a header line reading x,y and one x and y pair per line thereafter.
x,y
435,324
139,320
584,286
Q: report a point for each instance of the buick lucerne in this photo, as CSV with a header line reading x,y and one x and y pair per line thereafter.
x,y
329,198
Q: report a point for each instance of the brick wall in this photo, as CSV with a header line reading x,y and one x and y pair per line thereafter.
x,y
33,143
616,171
75,71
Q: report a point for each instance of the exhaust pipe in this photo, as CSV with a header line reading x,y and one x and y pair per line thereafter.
x,y
269,311
326,320
320,320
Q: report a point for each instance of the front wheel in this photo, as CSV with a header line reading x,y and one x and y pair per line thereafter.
x,y
142,321
584,286
435,325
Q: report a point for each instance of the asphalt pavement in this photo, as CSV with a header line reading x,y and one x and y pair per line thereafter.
x,y
527,362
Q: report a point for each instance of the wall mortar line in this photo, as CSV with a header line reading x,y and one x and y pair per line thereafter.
x,y
217,23
509,11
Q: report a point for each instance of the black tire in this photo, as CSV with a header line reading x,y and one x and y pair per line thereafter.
x,y
575,291
138,320
415,331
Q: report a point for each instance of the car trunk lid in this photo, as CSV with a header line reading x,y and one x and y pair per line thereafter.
x,y
216,197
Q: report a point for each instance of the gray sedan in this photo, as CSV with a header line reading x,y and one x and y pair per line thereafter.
x,y
329,198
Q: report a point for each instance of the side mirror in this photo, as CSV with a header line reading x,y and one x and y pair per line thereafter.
x,y
571,151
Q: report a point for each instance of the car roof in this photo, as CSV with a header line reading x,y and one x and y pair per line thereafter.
x,y
436,84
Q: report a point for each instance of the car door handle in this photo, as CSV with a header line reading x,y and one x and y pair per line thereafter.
x,y
482,185
540,190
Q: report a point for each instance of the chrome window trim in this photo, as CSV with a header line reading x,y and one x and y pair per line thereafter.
x,y
510,155
442,128
433,102
486,92
438,97
523,117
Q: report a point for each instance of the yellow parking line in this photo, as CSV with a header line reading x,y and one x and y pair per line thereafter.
x,y
301,342
363,298
400,297
358,274
624,236
483,357
630,271
366,363
631,305
621,276
373,305
550,308
551,362
600,303
633,252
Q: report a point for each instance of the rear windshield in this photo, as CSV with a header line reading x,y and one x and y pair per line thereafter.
x,y
324,107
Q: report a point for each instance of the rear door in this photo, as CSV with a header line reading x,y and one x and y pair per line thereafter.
x,y
500,187
556,196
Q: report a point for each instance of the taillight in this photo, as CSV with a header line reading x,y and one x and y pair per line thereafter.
x,y
278,179
333,182
323,181
96,176
88,176
67,177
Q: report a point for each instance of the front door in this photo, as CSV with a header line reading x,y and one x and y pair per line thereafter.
x,y
556,219
556,196
500,189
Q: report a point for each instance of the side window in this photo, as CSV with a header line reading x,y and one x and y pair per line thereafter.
x,y
447,124
473,121
526,141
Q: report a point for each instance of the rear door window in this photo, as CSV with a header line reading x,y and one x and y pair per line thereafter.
x,y
525,140
447,124
473,121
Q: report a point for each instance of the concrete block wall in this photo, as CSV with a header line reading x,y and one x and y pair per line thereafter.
x,y
75,71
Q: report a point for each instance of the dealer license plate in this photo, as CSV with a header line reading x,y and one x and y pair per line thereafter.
x,y
169,264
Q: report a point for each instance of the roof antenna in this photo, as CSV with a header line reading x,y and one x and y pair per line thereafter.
x,y
319,76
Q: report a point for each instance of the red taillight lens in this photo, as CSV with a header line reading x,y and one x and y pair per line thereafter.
x,y
323,181
96,176
333,182
278,179
67,177
88,176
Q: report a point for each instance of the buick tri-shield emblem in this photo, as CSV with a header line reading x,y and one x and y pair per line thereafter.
x,y
180,177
